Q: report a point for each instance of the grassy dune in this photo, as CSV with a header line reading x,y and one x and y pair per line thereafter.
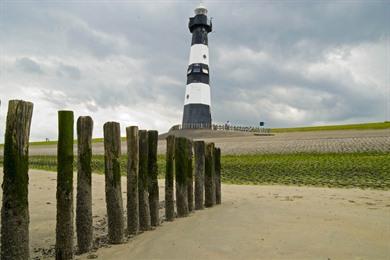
x,y
361,170
365,126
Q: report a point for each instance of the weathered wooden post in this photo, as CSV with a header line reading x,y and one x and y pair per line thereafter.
x,y
14,212
112,152
190,178
64,227
209,180
84,226
199,148
132,180
154,203
217,162
181,165
143,194
169,179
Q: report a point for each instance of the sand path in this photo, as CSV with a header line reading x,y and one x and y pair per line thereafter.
x,y
262,222
273,222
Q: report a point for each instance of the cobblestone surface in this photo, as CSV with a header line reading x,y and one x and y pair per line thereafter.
x,y
299,142
321,142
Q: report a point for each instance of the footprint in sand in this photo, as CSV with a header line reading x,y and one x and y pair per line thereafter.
x,y
287,198
297,197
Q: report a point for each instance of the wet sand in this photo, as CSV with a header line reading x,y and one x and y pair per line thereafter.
x,y
254,222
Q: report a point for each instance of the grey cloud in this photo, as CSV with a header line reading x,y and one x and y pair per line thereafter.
x,y
28,65
71,72
155,37
85,39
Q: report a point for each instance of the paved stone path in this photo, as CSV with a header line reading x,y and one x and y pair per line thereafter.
x,y
321,142
298,142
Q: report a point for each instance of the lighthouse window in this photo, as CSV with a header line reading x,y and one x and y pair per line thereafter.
x,y
188,96
196,69
204,56
205,71
188,71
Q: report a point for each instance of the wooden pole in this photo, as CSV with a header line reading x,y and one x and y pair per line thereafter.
x,y
154,203
132,180
143,194
169,178
84,223
112,152
209,180
217,161
190,177
181,165
14,212
64,227
199,148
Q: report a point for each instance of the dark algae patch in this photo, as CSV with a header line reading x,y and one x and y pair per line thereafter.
x,y
349,170
329,170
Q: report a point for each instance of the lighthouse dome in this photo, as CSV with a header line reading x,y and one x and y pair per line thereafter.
x,y
201,9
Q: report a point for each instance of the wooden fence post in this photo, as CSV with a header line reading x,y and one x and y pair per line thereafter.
x,y
84,226
64,226
132,180
143,194
169,178
199,148
154,203
112,152
190,178
181,165
217,161
14,212
209,180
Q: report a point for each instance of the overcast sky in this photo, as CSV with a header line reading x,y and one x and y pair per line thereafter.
x,y
288,63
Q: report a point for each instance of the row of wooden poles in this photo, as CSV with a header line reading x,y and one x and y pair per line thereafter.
x,y
142,181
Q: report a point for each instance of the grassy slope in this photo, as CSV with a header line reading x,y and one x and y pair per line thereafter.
x,y
366,126
360,170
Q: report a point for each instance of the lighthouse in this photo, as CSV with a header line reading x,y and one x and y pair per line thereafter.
x,y
197,97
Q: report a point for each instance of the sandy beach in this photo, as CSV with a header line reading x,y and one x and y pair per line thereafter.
x,y
254,222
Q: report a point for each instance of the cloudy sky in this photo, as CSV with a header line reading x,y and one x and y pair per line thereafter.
x,y
288,63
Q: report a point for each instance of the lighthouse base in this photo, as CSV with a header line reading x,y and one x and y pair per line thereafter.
x,y
196,116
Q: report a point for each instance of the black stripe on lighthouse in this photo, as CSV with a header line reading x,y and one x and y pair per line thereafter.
x,y
199,36
198,72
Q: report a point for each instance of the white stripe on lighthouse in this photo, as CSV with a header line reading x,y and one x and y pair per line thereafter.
x,y
197,93
199,54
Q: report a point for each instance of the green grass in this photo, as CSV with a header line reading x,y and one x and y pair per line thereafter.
x,y
365,126
37,143
361,170
329,170
49,163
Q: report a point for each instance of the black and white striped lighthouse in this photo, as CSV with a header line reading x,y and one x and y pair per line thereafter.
x,y
197,97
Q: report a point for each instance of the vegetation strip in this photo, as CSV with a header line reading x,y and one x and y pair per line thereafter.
x,y
366,126
351,170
